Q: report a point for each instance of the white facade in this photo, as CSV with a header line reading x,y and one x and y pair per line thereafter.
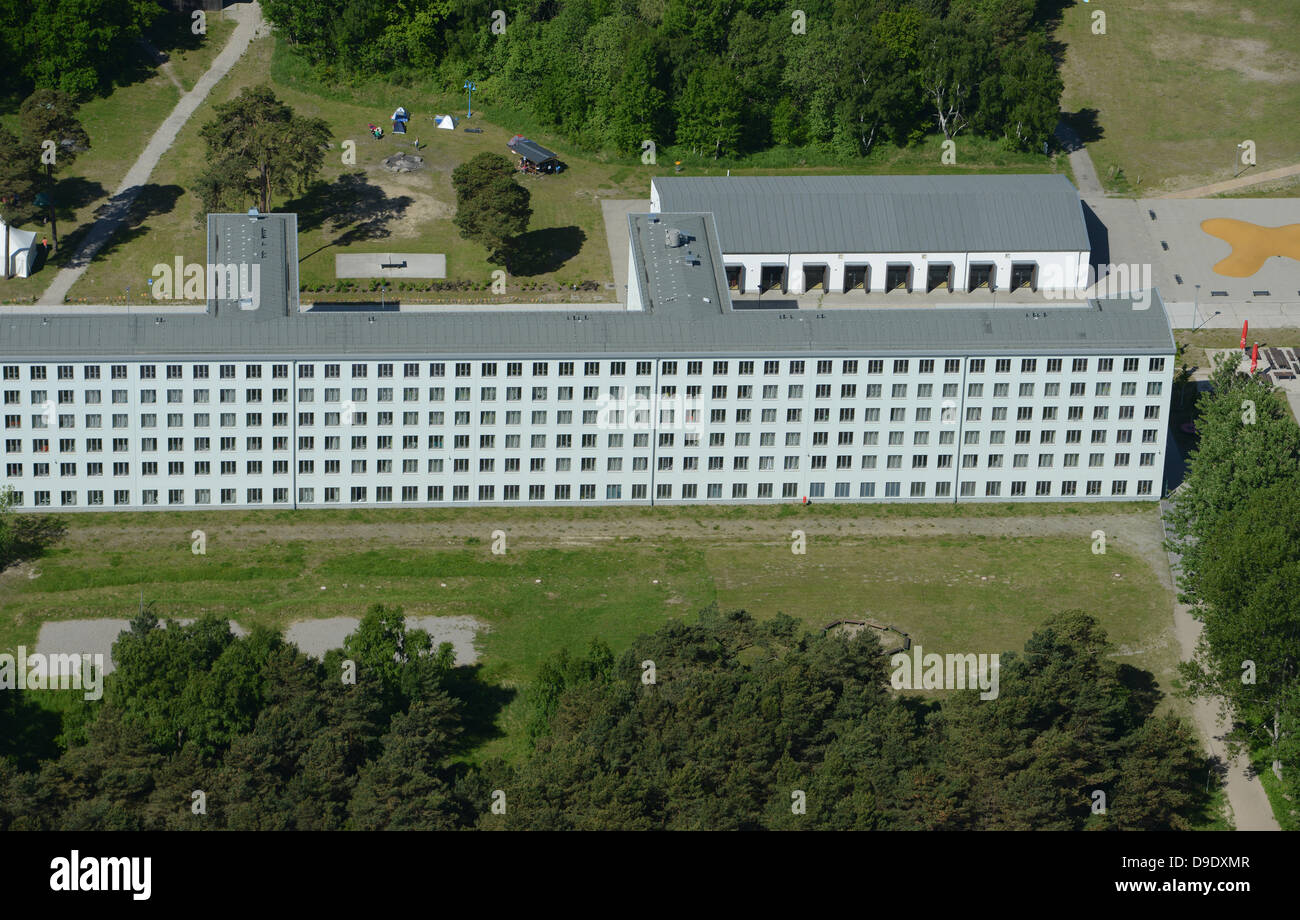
x,y
1054,272
322,432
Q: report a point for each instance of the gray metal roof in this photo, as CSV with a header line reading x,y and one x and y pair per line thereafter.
x,y
532,151
267,241
1109,326
679,321
682,276
787,214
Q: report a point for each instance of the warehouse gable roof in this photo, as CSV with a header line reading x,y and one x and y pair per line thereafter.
x,y
866,214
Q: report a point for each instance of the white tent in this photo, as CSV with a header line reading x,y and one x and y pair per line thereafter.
x,y
23,250
445,121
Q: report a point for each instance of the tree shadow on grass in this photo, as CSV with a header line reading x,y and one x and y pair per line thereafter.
x,y
481,703
28,536
351,204
151,200
1085,124
539,252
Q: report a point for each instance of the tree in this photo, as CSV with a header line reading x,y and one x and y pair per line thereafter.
x,y
951,60
256,143
1248,589
1023,99
709,111
49,123
18,183
1247,443
492,209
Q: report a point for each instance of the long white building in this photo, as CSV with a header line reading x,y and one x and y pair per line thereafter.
x,y
680,398
878,234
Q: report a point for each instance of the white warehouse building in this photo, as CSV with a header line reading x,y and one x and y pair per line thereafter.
x,y
931,234
679,398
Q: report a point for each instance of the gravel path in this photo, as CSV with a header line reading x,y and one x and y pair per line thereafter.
x,y
119,206
1230,185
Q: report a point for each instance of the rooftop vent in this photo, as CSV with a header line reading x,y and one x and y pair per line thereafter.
x,y
674,237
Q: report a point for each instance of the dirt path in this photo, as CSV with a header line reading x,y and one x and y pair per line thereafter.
x,y
1251,810
118,207
1231,185
1085,174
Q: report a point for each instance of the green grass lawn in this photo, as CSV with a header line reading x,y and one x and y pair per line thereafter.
x,y
1176,85
119,125
616,573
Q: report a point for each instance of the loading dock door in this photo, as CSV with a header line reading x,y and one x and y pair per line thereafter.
x,y
898,276
814,276
938,276
773,278
981,276
736,277
855,278
1024,274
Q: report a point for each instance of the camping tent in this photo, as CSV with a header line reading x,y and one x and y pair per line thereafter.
x,y
23,250
400,118
445,121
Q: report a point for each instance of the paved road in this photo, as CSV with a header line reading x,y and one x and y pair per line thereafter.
x,y
249,15
1247,799
615,212
1231,185
1085,174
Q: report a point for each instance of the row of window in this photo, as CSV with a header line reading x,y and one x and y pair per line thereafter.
x,y
613,441
411,369
585,492
589,394
565,464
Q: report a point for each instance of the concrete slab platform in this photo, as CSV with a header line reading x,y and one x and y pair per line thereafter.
x,y
615,212
390,265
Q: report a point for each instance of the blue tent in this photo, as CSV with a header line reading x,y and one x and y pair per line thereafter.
x,y
400,118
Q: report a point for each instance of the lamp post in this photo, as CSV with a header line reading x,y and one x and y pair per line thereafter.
x,y
1208,318
469,108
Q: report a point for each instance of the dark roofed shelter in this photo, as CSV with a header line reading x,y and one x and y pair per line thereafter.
x,y
533,157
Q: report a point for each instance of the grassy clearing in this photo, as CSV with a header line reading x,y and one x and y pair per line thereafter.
x,y
1177,84
119,125
615,573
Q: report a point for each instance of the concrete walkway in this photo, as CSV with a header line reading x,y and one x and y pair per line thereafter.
x,y
118,207
1231,185
1247,799
1085,174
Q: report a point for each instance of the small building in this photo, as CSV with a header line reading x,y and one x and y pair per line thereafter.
x,y
876,234
533,157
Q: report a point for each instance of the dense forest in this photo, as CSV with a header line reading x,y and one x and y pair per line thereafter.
x,y
746,725
720,78
716,77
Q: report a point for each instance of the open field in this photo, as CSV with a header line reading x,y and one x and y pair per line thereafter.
x,y
955,578
1175,85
